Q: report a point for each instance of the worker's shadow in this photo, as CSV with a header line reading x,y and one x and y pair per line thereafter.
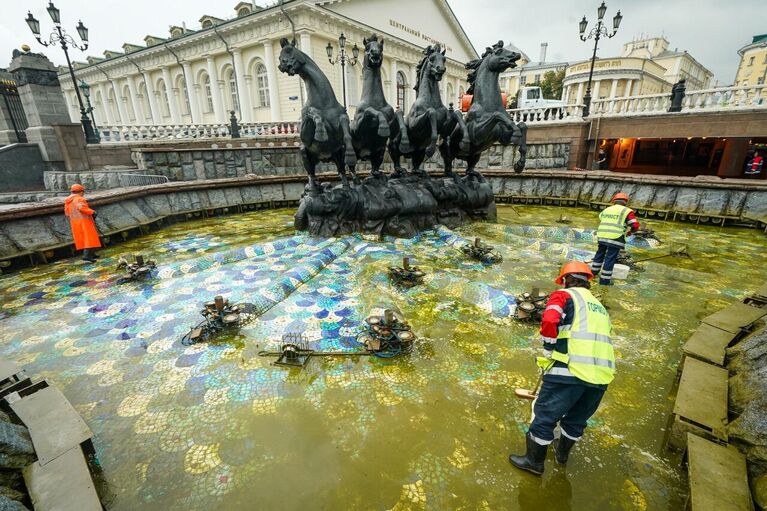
x,y
536,493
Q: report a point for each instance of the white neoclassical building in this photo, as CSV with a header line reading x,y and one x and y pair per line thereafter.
x,y
198,76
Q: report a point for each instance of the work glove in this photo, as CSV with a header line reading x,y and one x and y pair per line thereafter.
x,y
547,354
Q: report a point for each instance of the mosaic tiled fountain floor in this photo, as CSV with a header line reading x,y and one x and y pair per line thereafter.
x,y
214,426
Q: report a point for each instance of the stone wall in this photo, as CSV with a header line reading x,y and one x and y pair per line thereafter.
x,y
32,228
284,160
21,167
58,181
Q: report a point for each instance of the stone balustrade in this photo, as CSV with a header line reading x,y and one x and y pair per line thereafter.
x,y
705,100
136,133
548,115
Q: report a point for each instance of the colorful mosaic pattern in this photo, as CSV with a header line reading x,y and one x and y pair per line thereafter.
x,y
215,426
565,234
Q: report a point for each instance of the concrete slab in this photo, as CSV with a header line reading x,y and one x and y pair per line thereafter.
x,y
702,396
735,317
8,369
708,343
64,484
55,427
718,479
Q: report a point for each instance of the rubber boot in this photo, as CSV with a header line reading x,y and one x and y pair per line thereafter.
x,y
534,458
88,255
562,451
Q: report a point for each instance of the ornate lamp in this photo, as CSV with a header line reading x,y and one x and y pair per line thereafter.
x,y
54,13
34,24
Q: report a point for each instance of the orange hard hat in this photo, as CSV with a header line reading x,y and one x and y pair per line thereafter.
x,y
573,267
77,188
620,196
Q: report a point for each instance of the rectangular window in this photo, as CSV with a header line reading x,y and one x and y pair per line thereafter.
x,y
760,80
751,61
522,80
537,79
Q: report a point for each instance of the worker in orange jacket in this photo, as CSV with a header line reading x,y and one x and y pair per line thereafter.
x,y
83,222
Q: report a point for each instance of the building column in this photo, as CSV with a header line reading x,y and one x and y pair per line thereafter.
x,y
246,109
153,107
614,89
110,121
124,118
138,110
172,103
629,84
595,86
306,44
393,74
191,89
215,89
565,94
579,96
271,76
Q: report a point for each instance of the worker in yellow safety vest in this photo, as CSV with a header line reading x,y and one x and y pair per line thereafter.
x,y
614,221
575,331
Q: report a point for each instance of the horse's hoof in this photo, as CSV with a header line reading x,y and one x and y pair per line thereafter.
x,y
519,166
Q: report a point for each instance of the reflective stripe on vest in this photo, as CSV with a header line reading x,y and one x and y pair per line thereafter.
x,y
74,211
612,222
590,355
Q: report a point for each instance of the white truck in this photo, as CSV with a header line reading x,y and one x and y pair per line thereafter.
x,y
532,97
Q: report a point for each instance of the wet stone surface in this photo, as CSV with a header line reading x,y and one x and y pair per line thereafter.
x,y
215,426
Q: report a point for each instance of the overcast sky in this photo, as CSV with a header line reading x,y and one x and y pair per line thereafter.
x,y
711,30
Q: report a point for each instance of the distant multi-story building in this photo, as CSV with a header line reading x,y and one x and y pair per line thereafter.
x,y
753,62
198,76
527,72
646,66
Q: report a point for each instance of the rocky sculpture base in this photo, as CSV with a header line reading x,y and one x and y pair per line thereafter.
x,y
398,207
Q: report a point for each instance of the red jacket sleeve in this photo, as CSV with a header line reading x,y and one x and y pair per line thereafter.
x,y
552,316
631,219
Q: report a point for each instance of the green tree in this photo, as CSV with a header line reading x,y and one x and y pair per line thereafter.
x,y
551,85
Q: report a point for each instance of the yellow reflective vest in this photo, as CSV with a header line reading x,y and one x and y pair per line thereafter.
x,y
590,355
612,222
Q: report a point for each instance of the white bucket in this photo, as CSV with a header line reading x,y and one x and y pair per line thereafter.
x,y
620,272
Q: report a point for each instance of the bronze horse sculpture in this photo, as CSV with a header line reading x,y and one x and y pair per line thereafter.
x,y
428,118
487,121
376,122
325,133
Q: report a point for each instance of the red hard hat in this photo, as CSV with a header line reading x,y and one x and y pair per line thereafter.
x,y
77,188
573,267
620,196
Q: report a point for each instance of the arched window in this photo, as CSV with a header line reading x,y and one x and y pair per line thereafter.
x,y
450,97
262,85
185,108
401,90
207,24
243,12
164,104
99,108
208,105
231,81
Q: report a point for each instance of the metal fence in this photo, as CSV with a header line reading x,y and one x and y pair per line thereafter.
x,y
128,179
12,101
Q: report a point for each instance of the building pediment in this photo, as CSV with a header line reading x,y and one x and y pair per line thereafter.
x,y
421,23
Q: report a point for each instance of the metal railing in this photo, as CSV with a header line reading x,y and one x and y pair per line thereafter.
x,y
169,132
706,100
128,179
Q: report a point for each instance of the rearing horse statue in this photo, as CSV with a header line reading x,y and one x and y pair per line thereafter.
x,y
487,121
376,121
429,119
325,134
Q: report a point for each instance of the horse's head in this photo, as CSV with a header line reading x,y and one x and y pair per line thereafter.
x,y
436,60
373,51
500,59
291,58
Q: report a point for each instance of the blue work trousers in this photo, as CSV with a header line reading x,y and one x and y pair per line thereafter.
x,y
569,404
603,262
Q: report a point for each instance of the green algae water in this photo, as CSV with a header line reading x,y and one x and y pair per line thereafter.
x,y
215,426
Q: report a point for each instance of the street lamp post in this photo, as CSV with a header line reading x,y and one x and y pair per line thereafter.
x,y
86,89
597,33
343,59
60,36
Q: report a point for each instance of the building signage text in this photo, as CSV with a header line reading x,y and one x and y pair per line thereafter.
x,y
598,64
418,33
